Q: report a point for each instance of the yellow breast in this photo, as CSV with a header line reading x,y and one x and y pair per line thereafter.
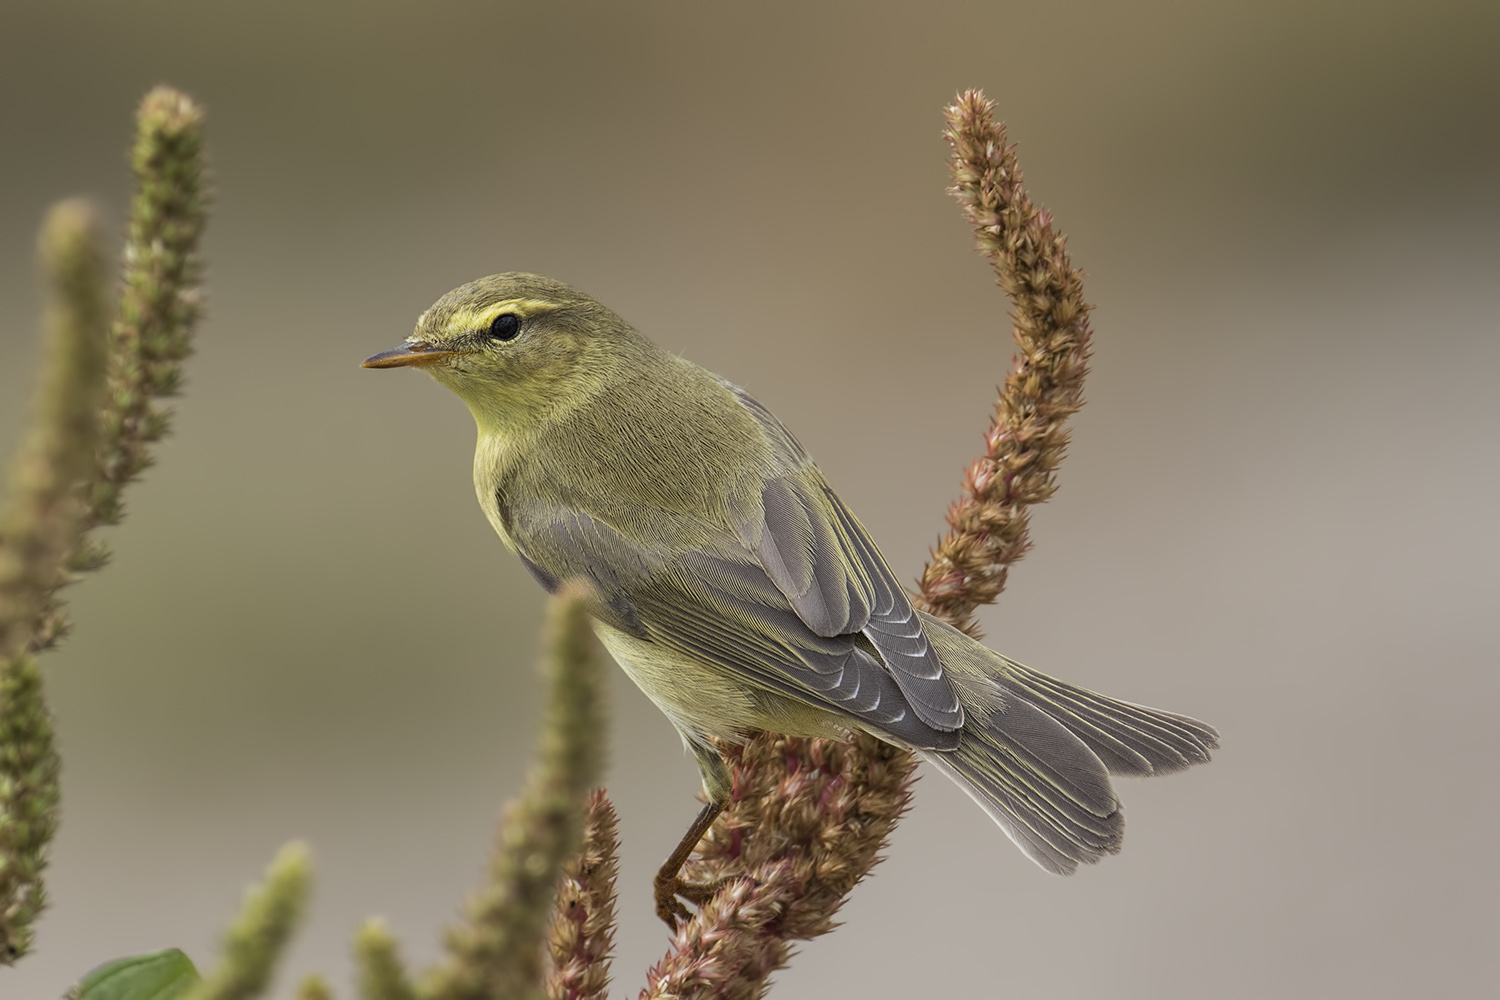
x,y
493,457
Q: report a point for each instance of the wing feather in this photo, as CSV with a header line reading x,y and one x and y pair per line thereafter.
x,y
795,599
729,612
819,555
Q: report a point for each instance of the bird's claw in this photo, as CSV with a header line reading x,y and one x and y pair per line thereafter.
x,y
672,890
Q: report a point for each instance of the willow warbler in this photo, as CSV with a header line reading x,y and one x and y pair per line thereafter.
x,y
736,589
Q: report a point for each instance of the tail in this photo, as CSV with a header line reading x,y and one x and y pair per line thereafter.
x,y
1037,752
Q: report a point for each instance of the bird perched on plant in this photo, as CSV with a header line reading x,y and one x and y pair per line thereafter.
x,y
736,589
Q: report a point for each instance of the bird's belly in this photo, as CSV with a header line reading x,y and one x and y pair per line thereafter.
x,y
701,700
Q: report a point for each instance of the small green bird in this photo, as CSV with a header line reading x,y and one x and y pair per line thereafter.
x,y
736,589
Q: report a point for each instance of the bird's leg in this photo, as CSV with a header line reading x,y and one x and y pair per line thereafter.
x,y
671,890
718,789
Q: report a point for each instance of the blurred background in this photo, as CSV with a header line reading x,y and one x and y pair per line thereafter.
x,y
1278,514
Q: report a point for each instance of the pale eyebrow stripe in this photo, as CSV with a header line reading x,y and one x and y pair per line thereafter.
x,y
467,320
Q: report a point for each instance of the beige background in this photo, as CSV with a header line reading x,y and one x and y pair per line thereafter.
x,y
1278,514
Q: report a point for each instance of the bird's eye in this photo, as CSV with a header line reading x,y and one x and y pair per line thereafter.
x,y
506,326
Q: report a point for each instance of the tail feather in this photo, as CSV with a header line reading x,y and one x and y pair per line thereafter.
x,y
1026,830
1045,788
1130,739
1037,753
1047,765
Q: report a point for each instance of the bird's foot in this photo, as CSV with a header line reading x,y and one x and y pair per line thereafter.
x,y
671,890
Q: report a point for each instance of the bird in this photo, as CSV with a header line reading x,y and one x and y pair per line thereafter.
x,y
737,590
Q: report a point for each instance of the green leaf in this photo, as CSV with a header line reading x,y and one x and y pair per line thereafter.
x,y
163,975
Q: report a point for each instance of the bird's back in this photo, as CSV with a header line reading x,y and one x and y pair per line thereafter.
x,y
665,454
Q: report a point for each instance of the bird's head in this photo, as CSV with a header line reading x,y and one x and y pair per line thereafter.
x,y
514,346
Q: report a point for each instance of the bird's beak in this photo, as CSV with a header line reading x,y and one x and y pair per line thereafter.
x,y
417,355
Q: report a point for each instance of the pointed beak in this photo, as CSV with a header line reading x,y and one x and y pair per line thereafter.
x,y
414,355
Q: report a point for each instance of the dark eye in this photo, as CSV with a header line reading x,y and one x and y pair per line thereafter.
x,y
506,326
